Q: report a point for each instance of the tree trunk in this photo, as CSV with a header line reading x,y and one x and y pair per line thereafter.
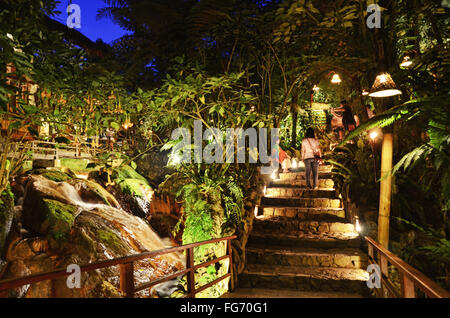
x,y
294,128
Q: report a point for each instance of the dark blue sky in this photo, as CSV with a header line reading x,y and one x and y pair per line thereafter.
x,y
104,28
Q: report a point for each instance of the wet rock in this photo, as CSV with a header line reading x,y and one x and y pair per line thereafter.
x,y
153,166
78,222
130,190
92,192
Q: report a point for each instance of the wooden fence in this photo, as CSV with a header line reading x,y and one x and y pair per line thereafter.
x,y
126,266
411,280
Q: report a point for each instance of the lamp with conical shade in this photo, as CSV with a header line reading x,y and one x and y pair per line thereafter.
x,y
384,86
336,79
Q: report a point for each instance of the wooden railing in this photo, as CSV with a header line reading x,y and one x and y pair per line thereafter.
x,y
126,266
410,278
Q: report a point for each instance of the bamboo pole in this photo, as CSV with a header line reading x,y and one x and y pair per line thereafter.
x,y
385,189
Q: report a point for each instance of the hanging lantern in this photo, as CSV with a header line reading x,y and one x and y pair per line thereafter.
x,y
384,86
406,62
336,79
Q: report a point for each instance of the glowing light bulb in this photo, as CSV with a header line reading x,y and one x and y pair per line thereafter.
x,y
373,135
256,211
265,190
365,93
316,88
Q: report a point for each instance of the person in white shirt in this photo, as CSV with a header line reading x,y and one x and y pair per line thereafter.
x,y
311,156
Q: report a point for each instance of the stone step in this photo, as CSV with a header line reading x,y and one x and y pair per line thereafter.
x,y
287,225
303,239
301,175
302,202
277,191
286,293
302,213
323,183
306,257
304,278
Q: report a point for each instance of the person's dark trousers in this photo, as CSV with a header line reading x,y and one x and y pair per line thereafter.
x,y
311,165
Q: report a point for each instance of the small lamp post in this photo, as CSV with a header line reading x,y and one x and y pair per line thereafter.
x,y
384,86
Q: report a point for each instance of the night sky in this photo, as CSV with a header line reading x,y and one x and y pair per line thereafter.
x,y
94,29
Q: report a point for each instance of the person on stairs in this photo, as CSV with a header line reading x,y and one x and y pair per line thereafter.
x,y
281,156
311,156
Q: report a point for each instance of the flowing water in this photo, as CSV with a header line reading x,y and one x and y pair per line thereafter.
x,y
136,228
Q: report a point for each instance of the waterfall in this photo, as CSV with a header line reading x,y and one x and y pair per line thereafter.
x,y
135,227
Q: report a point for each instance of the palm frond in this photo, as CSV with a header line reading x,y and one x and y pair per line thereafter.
x,y
431,107
412,158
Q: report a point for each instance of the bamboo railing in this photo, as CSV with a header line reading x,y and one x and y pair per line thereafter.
x,y
410,278
126,266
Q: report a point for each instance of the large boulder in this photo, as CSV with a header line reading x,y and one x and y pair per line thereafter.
x,y
131,190
77,222
153,165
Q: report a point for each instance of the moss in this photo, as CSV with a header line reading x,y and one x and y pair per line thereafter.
x,y
59,219
86,242
6,215
75,164
133,187
108,290
53,174
126,172
111,240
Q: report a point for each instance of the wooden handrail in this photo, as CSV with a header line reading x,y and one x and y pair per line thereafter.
x,y
126,269
409,276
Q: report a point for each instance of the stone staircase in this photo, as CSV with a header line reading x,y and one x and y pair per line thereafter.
x,y
301,241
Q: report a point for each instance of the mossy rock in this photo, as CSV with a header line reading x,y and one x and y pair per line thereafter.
x,y
127,172
111,241
58,221
75,164
52,174
92,192
133,187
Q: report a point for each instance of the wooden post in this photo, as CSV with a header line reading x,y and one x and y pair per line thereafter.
x,y
127,279
230,252
408,289
385,189
190,274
